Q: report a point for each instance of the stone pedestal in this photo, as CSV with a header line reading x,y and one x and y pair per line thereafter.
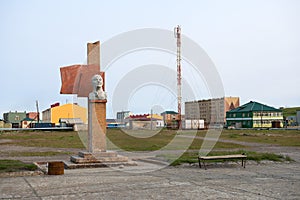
x,y
97,154
100,157
97,126
86,159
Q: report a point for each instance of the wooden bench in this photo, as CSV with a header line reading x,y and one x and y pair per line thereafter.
x,y
224,157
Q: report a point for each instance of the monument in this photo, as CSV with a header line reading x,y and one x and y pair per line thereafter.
x,y
88,81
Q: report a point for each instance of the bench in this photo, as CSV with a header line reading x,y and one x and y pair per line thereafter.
x,y
224,157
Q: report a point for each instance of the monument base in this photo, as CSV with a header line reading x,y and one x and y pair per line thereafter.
x,y
98,159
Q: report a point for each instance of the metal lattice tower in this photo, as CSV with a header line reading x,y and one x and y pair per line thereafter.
x,y
177,33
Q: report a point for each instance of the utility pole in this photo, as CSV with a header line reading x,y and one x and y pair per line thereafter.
x,y
151,120
37,110
177,34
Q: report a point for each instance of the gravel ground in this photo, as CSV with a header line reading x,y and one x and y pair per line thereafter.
x,y
227,181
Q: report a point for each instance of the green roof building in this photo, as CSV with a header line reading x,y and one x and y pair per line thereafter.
x,y
14,118
254,115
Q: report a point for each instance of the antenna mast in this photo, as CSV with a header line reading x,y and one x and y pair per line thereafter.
x,y
177,34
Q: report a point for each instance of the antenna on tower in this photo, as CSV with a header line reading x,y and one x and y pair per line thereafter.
x,y
177,34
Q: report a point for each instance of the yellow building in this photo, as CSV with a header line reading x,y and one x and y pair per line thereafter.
x,y
68,111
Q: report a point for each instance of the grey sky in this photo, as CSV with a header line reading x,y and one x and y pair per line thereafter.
x,y
254,44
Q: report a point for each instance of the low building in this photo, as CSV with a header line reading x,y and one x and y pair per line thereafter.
x,y
112,123
27,122
171,119
122,115
33,115
291,120
67,111
4,124
145,121
76,123
14,118
254,115
194,124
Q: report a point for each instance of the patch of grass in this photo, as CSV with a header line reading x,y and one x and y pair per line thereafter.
x,y
158,141
27,153
290,111
55,139
276,137
192,157
131,143
15,165
234,135
117,136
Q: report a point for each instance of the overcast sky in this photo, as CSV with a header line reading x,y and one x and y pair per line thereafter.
x,y
254,44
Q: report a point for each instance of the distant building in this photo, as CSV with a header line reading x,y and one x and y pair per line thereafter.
x,y
112,123
14,118
122,115
194,124
66,111
4,124
27,122
254,115
76,123
32,115
291,120
145,121
171,119
212,111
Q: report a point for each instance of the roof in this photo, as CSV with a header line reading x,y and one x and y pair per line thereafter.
x,y
254,106
169,112
28,119
139,116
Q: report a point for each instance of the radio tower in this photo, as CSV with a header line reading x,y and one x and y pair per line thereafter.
x,y
177,33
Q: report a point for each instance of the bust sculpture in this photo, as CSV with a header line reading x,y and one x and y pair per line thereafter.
x,y
98,93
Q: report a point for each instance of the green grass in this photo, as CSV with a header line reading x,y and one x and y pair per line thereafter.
x,y
290,111
28,153
15,165
130,143
158,141
275,137
55,139
192,157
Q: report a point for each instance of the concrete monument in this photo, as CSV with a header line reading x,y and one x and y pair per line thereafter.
x,y
88,81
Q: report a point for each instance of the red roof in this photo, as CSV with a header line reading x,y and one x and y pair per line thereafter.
x,y
139,116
